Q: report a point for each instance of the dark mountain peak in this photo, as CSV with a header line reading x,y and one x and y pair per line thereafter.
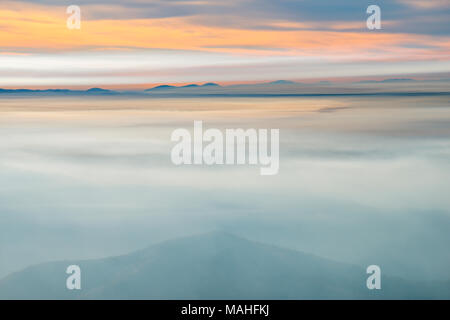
x,y
98,90
210,84
391,80
187,86
211,240
161,87
217,236
216,265
398,80
282,82
58,91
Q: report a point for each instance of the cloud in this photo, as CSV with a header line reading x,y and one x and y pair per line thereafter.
x,y
427,4
267,38
257,13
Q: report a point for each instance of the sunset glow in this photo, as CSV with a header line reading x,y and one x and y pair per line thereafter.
x,y
179,43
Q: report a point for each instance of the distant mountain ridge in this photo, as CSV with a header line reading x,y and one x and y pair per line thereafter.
x,y
282,82
391,80
192,85
210,266
276,88
91,91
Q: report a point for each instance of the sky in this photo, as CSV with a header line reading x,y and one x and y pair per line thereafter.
x,y
140,43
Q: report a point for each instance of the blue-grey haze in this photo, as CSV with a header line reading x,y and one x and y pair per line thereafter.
x,y
363,180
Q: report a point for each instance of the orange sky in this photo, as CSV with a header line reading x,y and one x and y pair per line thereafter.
x,y
36,29
43,28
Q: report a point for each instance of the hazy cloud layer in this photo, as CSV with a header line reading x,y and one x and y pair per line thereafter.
x,y
92,178
140,42
407,15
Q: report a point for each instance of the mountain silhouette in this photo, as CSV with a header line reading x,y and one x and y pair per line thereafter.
x,y
192,85
211,266
392,80
99,90
281,82
386,87
161,87
210,84
91,91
